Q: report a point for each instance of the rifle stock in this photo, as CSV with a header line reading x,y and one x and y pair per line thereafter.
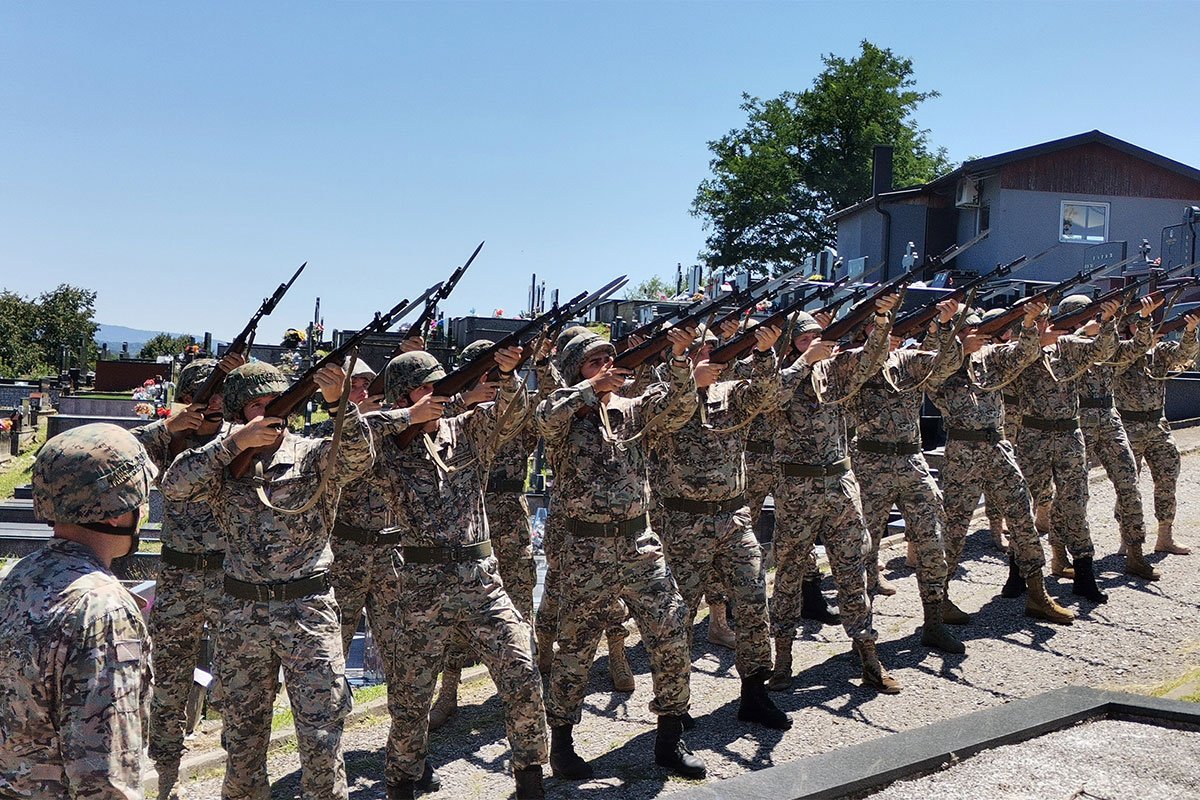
x,y
912,323
694,310
744,342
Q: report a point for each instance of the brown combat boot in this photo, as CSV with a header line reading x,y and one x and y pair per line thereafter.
x,y
1041,518
781,676
529,783
873,674
1166,541
545,646
1040,605
997,529
877,584
952,614
446,705
719,632
618,664
1137,565
1060,563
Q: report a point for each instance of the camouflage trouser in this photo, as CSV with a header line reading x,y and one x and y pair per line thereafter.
x,y
721,550
1058,460
595,572
547,615
975,467
905,480
1109,444
465,599
183,601
254,639
804,508
1153,442
761,477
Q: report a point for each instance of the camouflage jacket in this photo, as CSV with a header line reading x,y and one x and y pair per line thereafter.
x,y
364,502
602,479
888,406
971,397
511,461
1100,379
433,507
1049,389
706,458
264,546
1143,386
813,400
188,527
74,679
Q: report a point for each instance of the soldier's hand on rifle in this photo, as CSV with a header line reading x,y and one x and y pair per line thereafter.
x,y
729,328
635,340
765,337
1108,310
1033,310
508,358
1149,303
947,309
823,319
187,420
231,361
427,409
707,373
1192,321
680,341
819,350
886,303
258,432
973,342
369,404
609,379
1050,336
329,380
1091,328
483,392
412,344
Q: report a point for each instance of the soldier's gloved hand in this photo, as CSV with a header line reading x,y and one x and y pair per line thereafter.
x,y
412,344
427,409
819,350
765,337
484,392
507,358
680,341
258,432
186,420
329,380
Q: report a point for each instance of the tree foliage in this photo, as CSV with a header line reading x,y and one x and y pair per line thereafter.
x,y
34,332
164,344
802,156
651,289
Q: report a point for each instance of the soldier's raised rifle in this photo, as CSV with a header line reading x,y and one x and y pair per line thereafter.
x,y
469,373
376,387
744,342
444,289
305,386
857,315
916,321
700,307
758,295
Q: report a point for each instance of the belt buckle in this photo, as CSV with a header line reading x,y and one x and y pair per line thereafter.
x,y
456,551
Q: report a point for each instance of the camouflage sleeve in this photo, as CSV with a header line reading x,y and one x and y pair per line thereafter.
x,y
994,366
645,375
1074,354
356,451
839,378
481,426
1130,350
668,411
197,474
792,378
1181,355
547,380
554,414
764,383
157,440
103,707
383,423
949,354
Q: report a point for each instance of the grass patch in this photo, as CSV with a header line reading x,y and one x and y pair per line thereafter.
x,y
17,472
1189,681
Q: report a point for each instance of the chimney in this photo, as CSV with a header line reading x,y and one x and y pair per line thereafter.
x,y
881,169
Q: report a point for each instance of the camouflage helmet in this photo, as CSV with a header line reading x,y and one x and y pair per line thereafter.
x,y
249,381
193,376
473,350
805,323
90,474
703,335
992,313
1073,302
409,371
567,335
361,369
972,319
571,358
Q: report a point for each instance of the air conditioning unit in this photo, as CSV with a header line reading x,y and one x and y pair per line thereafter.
x,y
967,195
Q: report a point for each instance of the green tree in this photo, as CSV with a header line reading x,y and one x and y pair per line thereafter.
x,y
802,156
66,317
164,344
18,354
651,289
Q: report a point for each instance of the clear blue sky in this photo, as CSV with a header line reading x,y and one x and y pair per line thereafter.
x,y
183,158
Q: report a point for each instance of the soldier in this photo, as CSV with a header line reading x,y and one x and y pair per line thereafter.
x,y
596,441
1141,392
74,652
279,607
450,585
706,522
888,449
1050,450
978,456
189,593
817,492
1104,435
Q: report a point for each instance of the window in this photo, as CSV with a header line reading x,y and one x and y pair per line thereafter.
x,y
983,219
1086,223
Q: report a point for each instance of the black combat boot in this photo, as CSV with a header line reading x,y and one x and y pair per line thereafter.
x,y
757,706
1016,585
1085,582
672,753
529,783
813,605
407,790
564,761
404,790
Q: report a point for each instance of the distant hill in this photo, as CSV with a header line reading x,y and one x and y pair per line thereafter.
x,y
114,335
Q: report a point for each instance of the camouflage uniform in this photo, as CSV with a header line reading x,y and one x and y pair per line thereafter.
x,y
1105,437
1053,452
703,463
609,550
1141,393
812,437
445,591
189,595
74,651
971,404
888,451
267,548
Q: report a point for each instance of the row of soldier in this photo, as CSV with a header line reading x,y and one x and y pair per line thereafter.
x,y
413,521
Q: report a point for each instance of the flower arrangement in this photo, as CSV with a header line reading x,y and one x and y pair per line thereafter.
x,y
289,363
293,338
5,424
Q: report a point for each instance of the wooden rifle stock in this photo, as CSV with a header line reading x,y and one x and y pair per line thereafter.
x,y
744,342
916,321
694,310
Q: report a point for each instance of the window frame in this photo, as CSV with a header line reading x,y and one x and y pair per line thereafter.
x,y
1062,210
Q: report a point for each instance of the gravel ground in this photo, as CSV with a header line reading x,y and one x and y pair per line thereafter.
x,y
1144,635
1104,759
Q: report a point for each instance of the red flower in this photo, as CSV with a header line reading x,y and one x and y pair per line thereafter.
x,y
163,412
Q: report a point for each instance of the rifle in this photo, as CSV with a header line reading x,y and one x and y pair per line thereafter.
x,y
299,392
376,387
473,370
950,253
917,320
1050,296
1073,319
1174,324
741,344
860,312
443,291
694,310
767,290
